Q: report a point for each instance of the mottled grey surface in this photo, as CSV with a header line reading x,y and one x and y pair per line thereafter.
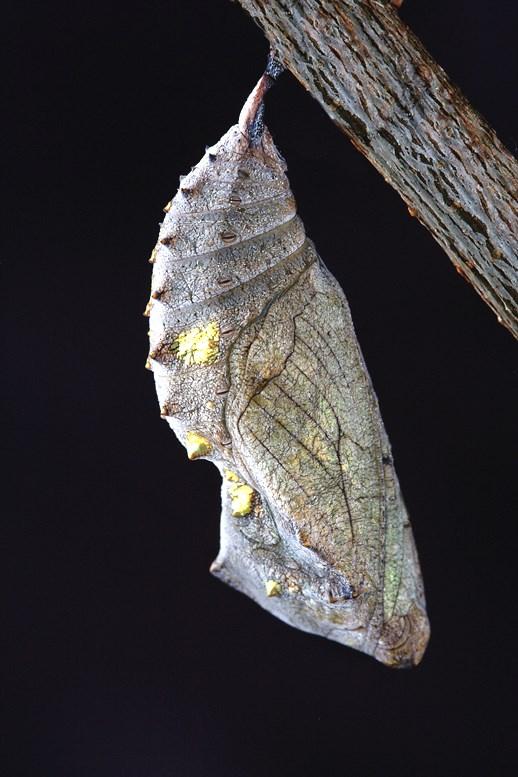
x,y
254,353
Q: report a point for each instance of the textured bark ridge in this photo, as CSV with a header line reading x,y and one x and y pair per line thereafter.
x,y
258,369
382,88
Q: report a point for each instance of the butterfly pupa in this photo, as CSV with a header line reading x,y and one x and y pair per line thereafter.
x,y
258,369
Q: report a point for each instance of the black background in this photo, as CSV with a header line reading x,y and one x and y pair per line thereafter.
x,y
125,658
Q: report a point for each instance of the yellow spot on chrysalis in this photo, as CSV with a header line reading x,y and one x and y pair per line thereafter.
x,y
273,588
210,404
229,475
147,311
196,445
152,258
167,207
241,494
199,345
242,498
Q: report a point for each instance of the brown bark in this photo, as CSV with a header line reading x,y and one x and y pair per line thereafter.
x,y
378,83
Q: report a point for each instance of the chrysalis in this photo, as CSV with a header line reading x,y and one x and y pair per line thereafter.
x,y
258,369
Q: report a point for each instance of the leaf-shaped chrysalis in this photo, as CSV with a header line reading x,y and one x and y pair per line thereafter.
x,y
258,369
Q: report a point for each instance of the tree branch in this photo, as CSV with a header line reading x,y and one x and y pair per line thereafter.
x,y
378,83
